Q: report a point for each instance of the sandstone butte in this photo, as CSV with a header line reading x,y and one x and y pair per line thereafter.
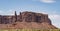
x,y
26,20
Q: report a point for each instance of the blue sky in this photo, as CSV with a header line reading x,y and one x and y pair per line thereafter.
x,y
50,7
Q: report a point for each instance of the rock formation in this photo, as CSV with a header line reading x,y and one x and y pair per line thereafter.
x,y
26,20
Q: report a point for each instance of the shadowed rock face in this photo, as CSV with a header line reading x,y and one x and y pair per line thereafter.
x,y
26,20
35,17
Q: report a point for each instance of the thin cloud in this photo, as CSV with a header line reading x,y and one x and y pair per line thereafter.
x,y
48,1
55,20
9,12
1,12
56,17
42,12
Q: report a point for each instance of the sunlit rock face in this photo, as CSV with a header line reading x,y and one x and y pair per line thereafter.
x,y
26,20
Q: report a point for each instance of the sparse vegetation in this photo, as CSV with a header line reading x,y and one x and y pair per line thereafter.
x,y
29,29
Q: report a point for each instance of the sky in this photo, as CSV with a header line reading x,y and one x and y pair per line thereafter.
x,y
50,7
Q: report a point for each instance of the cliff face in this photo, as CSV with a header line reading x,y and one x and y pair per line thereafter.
x,y
35,17
26,20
